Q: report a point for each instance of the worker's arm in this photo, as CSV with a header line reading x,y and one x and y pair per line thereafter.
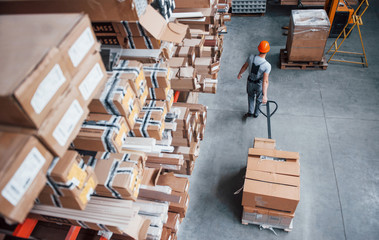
x,y
265,87
243,69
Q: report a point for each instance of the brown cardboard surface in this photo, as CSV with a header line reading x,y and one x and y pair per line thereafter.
x,y
270,196
111,101
150,176
131,71
158,93
157,26
63,123
114,184
157,75
90,77
24,164
186,52
165,158
264,143
198,44
143,42
205,65
149,124
102,132
177,184
172,221
176,62
65,170
155,106
272,166
190,4
289,156
273,178
46,63
137,157
182,206
103,10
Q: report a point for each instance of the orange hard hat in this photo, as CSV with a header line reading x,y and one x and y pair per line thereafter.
x,y
264,47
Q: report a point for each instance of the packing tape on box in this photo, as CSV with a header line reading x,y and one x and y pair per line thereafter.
x,y
130,36
153,73
153,107
112,87
105,156
145,122
56,186
152,93
110,127
114,171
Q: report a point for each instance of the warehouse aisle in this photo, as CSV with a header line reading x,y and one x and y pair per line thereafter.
x,y
331,117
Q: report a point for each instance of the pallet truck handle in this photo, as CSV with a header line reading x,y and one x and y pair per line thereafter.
x,y
267,104
268,115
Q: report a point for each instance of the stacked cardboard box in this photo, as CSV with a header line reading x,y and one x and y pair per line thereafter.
x,y
70,182
45,95
307,35
271,190
190,130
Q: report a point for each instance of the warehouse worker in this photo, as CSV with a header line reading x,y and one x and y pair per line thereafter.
x,y
257,81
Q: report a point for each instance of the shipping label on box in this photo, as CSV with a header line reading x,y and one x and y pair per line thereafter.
x,y
157,75
26,161
102,132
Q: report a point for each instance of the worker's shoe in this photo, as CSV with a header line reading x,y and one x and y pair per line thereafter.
x,y
255,115
248,115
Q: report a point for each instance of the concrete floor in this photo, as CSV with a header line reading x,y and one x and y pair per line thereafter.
x,y
331,117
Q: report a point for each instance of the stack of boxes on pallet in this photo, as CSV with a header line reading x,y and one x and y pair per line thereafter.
x,y
115,134
307,36
271,190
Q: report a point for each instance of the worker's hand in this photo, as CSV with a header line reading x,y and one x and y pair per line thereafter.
x,y
264,99
239,76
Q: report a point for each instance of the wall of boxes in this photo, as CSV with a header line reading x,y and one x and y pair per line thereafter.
x,y
88,121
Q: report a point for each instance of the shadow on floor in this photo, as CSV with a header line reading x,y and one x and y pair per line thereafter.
x,y
226,188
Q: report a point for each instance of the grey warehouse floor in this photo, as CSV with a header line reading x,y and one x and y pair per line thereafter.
x,y
331,117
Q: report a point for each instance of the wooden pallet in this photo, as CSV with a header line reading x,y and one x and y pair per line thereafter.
x,y
265,226
305,65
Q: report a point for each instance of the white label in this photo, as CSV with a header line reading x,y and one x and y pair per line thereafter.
x,y
91,81
47,88
68,123
23,177
81,47
75,181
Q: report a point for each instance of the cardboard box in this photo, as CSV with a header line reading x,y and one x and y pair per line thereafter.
x,y
63,123
131,71
177,184
101,132
157,75
270,195
118,179
183,117
186,52
186,169
182,206
205,65
30,86
144,93
90,78
155,106
138,158
158,93
74,193
270,217
134,29
307,35
157,26
264,143
115,40
103,10
191,4
117,97
24,162
184,79
173,221
143,42
198,44
149,124
209,52
176,62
